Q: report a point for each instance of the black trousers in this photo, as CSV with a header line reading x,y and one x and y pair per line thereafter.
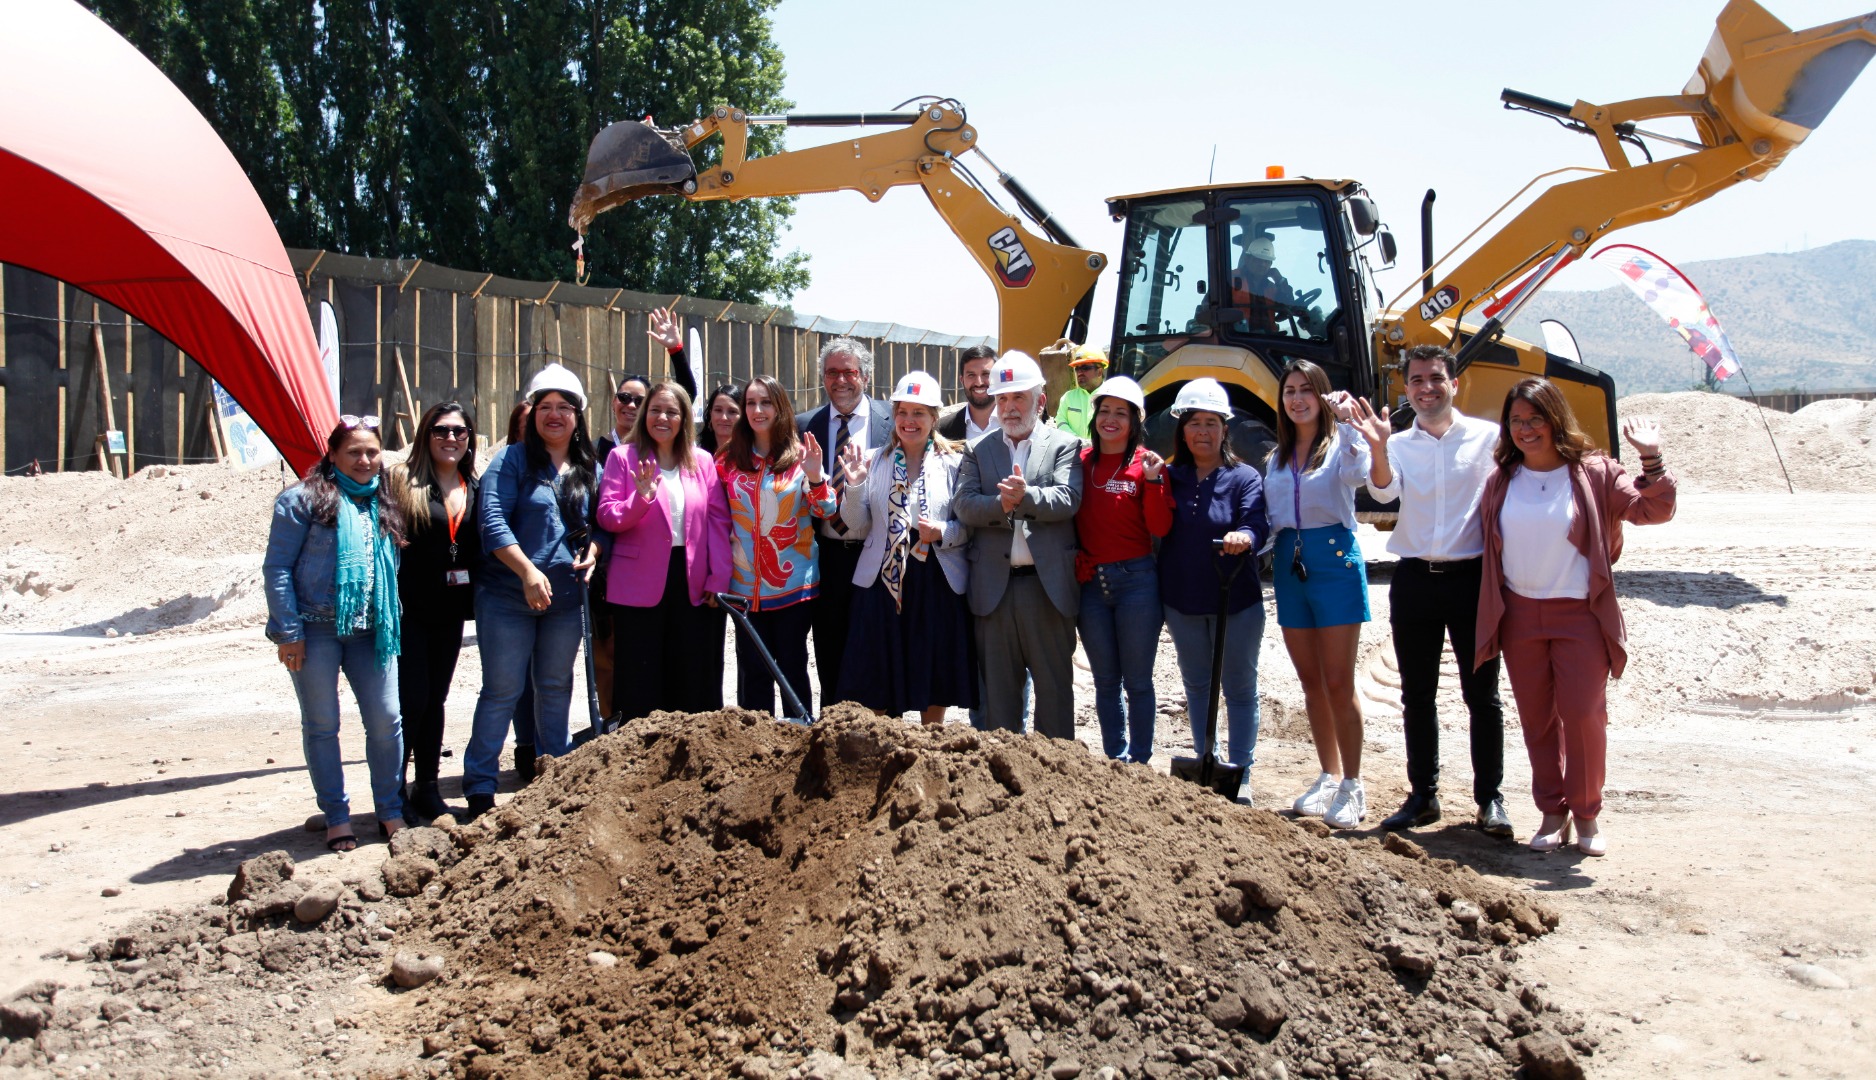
x,y
1427,609
426,662
785,632
667,657
833,611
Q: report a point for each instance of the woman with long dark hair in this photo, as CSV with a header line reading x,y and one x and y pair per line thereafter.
x,y
435,488
330,574
776,490
533,511
1216,499
720,415
1124,507
664,504
910,647
524,708
1320,579
1552,515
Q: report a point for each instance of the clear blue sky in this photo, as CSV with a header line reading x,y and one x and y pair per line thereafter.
x,y
1087,100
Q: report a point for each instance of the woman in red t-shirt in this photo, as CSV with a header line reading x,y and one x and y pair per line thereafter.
x,y
1124,505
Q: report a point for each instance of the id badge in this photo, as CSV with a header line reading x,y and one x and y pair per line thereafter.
x,y
456,577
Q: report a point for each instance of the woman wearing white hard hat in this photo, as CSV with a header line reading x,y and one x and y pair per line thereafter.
x,y
1215,497
1124,506
534,512
1321,581
910,647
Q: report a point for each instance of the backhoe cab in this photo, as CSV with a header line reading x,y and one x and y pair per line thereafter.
x,y
1234,281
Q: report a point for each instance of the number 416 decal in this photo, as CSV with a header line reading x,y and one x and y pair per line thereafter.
x,y
1436,305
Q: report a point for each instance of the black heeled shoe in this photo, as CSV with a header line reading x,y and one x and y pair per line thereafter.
x,y
478,805
524,763
426,802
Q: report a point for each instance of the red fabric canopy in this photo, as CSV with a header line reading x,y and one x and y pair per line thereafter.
x,y
111,180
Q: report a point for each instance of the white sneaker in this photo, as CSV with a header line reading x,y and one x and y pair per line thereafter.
x,y
1349,806
1315,801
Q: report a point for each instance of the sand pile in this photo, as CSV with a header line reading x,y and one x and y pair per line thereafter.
x,y
172,546
1716,442
724,895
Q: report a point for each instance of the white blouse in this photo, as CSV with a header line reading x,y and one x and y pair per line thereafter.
x,y
673,503
1539,560
1328,492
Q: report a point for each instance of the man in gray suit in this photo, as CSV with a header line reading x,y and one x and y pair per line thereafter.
x,y
1018,489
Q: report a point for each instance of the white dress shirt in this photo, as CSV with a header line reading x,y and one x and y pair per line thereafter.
x,y
1439,482
971,428
1019,539
857,423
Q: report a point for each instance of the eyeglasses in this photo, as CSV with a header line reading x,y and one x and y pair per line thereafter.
x,y
626,397
348,422
1527,423
449,431
837,375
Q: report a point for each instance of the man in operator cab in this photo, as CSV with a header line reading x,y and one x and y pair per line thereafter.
x,y
1257,289
1077,410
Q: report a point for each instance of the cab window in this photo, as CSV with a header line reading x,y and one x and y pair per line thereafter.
x,y
1279,269
1163,280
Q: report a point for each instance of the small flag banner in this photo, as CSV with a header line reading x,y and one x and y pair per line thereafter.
x,y
1665,289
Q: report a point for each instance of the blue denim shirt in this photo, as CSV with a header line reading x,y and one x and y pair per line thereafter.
x,y
518,506
300,569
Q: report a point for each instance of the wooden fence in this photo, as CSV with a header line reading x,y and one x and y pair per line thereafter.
x,y
1790,401
411,334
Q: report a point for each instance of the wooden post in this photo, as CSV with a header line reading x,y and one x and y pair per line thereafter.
x,y
214,424
410,401
104,391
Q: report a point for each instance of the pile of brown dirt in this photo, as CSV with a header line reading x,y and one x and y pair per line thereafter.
x,y
1717,442
724,895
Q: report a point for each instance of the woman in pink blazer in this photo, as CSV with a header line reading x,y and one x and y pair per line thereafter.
x,y
666,508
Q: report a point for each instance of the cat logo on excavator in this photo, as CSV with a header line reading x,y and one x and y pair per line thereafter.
x,y
1014,266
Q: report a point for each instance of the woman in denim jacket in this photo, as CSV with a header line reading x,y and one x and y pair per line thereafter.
x,y
331,580
533,511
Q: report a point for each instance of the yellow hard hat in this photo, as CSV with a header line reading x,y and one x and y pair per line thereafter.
x,y
1089,354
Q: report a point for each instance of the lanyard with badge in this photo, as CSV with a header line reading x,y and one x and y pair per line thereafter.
x,y
1296,501
454,576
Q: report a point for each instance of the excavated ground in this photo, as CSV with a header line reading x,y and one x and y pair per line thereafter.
x,y
717,894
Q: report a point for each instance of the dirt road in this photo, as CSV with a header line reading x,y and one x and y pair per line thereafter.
x,y
1743,771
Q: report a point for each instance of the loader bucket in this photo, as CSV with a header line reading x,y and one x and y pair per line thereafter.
x,y
1765,80
630,160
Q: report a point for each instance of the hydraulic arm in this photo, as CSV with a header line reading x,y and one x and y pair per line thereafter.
x,y
1759,90
1044,283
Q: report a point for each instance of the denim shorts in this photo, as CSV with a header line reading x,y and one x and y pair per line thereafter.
x,y
1336,593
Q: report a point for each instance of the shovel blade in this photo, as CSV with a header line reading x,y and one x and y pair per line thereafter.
x,y
626,161
1224,778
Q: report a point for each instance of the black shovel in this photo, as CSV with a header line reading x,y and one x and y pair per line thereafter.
x,y
738,607
1206,770
597,725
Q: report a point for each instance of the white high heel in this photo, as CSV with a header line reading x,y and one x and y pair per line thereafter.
x,y
1591,841
1552,834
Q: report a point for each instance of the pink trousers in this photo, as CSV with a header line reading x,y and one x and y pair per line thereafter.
x,y
1559,668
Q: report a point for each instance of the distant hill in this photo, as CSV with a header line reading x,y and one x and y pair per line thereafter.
x,y
1799,321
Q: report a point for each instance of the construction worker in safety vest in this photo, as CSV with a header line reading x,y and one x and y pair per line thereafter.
x,y
1076,411
1256,287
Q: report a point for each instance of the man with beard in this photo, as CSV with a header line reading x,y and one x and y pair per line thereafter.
x,y
973,416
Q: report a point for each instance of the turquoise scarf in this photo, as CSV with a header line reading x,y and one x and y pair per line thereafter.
x,y
366,585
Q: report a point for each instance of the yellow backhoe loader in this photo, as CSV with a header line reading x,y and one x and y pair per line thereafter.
x,y
1232,280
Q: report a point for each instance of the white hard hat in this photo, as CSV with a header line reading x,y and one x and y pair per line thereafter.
x,y
1263,247
555,377
1122,387
918,388
1202,395
1017,370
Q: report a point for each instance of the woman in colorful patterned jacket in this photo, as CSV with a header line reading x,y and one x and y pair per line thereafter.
x,y
775,489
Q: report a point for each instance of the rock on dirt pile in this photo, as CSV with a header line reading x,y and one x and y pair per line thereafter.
x,y
724,895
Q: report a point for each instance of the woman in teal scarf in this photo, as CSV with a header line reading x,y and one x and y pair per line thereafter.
x,y
331,579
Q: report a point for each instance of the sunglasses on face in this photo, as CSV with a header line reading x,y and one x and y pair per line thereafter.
x,y
626,397
349,422
449,431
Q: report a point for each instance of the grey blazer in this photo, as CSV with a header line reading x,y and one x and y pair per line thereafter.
x,y
1047,514
863,507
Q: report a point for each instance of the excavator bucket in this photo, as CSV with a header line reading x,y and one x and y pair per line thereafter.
x,y
1765,81
630,160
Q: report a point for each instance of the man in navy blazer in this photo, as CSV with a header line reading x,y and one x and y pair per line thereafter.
x,y
850,415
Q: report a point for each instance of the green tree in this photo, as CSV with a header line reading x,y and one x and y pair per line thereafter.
x,y
457,131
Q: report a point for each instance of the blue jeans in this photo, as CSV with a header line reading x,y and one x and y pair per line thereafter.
x,y
514,638
1119,623
317,684
1244,639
